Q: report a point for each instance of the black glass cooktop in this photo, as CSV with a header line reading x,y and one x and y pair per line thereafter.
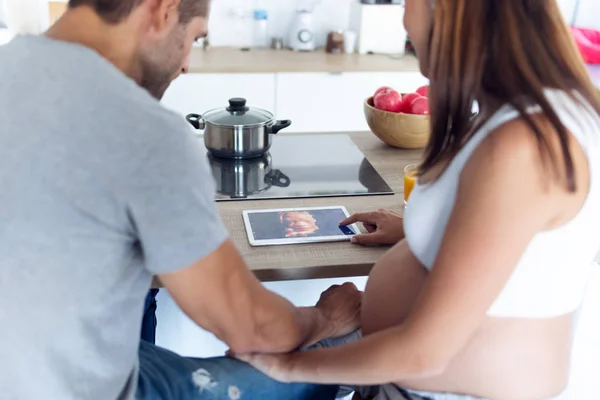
x,y
299,166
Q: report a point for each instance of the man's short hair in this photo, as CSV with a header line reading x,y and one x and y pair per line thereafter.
x,y
115,11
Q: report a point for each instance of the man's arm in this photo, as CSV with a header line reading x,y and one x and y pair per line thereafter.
x,y
222,295
169,196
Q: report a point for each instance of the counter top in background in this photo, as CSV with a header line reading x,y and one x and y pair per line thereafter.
x,y
232,60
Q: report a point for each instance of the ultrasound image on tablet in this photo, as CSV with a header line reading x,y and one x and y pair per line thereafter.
x,y
294,224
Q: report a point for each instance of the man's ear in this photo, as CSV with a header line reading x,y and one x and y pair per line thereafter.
x,y
164,14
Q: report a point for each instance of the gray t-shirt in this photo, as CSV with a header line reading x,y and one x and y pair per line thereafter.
x,y
100,188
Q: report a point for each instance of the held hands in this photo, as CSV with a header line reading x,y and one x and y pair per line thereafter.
x,y
339,305
384,227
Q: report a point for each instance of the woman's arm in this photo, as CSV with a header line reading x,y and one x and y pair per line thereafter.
x,y
504,199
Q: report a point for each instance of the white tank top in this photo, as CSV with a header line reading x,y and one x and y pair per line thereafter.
x,y
551,276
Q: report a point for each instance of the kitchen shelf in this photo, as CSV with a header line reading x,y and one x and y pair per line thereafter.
x,y
232,60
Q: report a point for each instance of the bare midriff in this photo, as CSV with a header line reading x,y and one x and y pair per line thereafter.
x,y
507,358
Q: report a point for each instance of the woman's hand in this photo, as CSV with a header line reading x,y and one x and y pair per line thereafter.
x,y
275,366
384,227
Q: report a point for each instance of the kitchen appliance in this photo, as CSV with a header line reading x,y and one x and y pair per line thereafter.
x,y
238,179
380,27
276,43
299,166
237,131
335,42
350,38
261,28
302,33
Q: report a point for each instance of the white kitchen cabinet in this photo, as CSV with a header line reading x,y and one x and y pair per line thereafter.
x,y
315,102
326,102
198,93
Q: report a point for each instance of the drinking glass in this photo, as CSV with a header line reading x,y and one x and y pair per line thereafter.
x,y
410,178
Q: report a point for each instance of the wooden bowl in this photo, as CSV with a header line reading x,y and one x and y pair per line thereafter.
x,y
406,131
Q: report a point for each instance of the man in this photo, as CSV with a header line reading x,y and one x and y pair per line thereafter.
x,y
102,188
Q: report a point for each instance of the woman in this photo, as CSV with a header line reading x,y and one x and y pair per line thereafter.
x,y
504,223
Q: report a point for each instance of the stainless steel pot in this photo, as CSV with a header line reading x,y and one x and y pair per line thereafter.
x,y
242,178
237,131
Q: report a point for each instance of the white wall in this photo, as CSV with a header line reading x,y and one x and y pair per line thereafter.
x,y
231,20
582,13
26,16
2,14
5,34
589,14
228,29
568,8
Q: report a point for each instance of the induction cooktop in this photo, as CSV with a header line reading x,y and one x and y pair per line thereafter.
x,y
299,166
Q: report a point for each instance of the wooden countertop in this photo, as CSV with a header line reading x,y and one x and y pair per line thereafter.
x,y
323,260
232,60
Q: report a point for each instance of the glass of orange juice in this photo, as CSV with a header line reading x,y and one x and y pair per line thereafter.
x,y
410,178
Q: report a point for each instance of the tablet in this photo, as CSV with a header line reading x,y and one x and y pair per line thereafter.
x,y
297,225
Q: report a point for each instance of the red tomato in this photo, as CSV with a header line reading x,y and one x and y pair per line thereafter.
x,y
382,89
420,106
407,100
423,91
388,100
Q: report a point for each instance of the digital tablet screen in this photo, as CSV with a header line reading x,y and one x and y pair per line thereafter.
x,y
297,225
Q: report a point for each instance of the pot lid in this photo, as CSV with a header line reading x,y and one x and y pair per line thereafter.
x,y
238,114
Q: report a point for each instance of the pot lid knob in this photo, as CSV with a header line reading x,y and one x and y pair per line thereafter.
x,y
237,104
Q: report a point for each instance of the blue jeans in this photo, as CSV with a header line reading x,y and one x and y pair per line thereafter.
x,y
149,319
167,376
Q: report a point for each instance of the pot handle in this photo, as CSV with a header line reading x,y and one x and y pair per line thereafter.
x,y
279,125
277,178
196,121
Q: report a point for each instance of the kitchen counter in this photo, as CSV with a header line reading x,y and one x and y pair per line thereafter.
x,y
323,260
232,60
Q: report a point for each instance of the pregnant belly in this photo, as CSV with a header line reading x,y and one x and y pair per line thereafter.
x,y
392,289
505,359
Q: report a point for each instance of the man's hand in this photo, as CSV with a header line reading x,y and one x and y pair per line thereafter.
x,y
237,309
384,227
340,305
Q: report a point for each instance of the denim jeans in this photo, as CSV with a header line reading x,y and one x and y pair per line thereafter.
x,y
165,375
149,319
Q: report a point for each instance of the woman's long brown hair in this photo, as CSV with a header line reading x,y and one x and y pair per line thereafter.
x,y
501,52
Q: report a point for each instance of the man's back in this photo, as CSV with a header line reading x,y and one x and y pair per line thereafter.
x,y
88,165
